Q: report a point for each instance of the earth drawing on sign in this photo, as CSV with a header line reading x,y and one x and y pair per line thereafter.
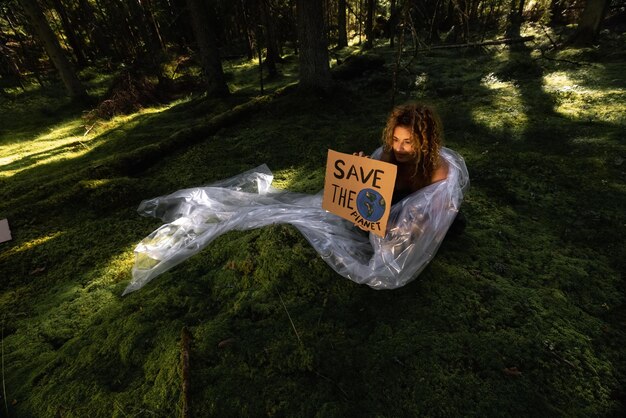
x,y
370,204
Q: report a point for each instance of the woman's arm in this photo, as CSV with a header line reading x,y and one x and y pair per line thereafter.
x,y
441,173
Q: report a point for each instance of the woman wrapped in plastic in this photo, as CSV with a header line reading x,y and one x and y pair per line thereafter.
x,y
430,183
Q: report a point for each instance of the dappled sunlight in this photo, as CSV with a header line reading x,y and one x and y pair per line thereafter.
x,y
300,179
42,151
117,269
578,101
66,141
29,245
506,111
123,121
284,179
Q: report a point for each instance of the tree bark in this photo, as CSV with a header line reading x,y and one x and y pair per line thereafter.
x,y
589,23
271,40
342,39
41,27
69,29
515,18
313,56
369,25
206,37
392,23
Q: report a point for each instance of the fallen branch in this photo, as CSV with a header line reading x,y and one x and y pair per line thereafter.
x,y
507,41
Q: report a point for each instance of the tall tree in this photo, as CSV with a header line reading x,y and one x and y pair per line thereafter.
x,y
392,22
271,39
313,56
45,34
590,21
369,24
72,38
514,23
206,37
342,39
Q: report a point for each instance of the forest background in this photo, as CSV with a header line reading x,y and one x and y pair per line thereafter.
x,y
105,103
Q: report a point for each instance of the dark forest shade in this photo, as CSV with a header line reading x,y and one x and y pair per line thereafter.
x,y
51,44
342,35
589,23
314,69
206,39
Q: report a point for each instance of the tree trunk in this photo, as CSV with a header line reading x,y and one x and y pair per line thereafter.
x,y
369,25
11,64
154,25
206,38
589,23
27,59
271,40
515,18
69,29
313,56
247,30
90,18
342,39
40,25
392,22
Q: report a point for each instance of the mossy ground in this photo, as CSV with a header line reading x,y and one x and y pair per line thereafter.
x,y
523,314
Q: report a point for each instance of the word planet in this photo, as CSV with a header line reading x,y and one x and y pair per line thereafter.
x,y
370,204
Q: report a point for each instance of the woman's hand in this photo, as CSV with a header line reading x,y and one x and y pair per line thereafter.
x,y
360,154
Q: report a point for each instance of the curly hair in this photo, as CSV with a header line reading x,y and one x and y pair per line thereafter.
x,y
426,137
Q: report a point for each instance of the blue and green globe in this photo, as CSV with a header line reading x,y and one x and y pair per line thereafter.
x,y
370,205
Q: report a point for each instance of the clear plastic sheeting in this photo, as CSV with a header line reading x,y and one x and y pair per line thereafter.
x,y
195,217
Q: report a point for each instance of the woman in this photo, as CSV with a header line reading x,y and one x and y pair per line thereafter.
x,y
430,185
411,140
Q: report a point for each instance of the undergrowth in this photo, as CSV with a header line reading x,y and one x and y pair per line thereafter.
x,y
523,314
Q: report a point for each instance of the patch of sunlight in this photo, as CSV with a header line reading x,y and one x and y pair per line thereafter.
x,y
505,112
120,120
62,142
492,82
583,102
94,184
62,131
285,178
30,244
243,64
421,80
36,153
117,269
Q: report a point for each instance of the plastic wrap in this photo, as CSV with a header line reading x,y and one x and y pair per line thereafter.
x,y
195,217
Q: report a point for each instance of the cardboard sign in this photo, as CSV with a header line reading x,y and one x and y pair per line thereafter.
x,y
359,189
5,232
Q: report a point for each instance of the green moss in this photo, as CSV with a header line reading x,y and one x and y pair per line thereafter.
x,y
520,315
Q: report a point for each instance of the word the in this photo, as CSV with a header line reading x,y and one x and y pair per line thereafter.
x,y
343,197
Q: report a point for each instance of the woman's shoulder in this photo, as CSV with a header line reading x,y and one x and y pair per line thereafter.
x,y
441,172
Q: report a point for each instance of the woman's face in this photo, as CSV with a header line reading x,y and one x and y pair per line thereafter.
x,y
402,145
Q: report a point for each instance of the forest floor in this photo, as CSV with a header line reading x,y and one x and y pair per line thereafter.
x,y
521,315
